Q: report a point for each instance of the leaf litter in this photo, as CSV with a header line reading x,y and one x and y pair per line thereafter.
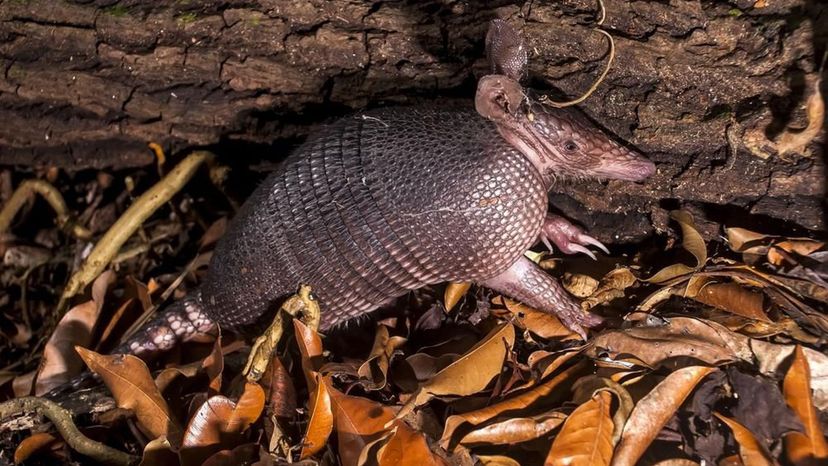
x,y
706,357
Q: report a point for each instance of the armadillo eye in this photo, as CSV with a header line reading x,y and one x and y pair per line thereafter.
x,y
570,146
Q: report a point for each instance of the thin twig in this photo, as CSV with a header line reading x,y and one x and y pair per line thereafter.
x,y
144,206
62,419
591,90
52,196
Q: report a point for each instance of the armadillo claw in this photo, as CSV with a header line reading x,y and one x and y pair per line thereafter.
x,y
569,238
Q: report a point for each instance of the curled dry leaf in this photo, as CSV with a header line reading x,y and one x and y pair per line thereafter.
x,y
750,450
159,452
810,447
241,455
375,369
691,241
321,422
586,436
654,410
218,423
132,386
471,372
579,285
60,362
279,389
611,287
513,405
454,293
681,337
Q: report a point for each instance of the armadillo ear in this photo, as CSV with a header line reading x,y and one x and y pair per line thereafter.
x,y
505,50
498,97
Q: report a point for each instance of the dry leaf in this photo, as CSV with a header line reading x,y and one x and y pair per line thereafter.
x,y
691,241
515,430
733,298
454,293
320,423
34,444
310,347
159,452
132,386
60,362
472,372
771,356
586,436
375,369
654,410
750,450
810,447
514,404
680,337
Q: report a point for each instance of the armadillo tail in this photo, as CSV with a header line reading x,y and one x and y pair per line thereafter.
x,y
180,321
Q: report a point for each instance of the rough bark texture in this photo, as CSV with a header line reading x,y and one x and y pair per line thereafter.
x,y
90,83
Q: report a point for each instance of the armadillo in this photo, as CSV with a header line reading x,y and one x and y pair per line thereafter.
x,y
391,200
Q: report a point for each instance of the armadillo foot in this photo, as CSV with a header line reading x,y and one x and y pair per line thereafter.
x,y
181,321
528,283
569,238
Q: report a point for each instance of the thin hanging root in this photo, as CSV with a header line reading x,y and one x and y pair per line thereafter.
x,y
109,245
53,197
552,103
303,303
62,419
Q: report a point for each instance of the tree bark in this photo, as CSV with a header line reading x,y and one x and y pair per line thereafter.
x,y
702,88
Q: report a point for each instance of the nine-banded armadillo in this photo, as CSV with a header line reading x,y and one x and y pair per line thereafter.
x,y
391,200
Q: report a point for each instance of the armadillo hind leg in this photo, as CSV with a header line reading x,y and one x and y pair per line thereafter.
x,y
529,284
179,322
567,237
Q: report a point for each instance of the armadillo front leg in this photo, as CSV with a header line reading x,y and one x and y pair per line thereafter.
x,y
529,284
181,321
569,238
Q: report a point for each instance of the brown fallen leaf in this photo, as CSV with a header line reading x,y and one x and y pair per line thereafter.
x,y
247,410
772,356
310,347
586,436
654,410
159,452
60,362
37,443
515,430
750,450
213,366
729,297
496,460
808,448
681,337
246,454
691,241
358,422
321,421
472,372
279,389
454,293
132,386
407,447
542,324
513,405
205,434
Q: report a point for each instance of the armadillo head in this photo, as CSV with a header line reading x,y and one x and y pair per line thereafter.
x,y
559,142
